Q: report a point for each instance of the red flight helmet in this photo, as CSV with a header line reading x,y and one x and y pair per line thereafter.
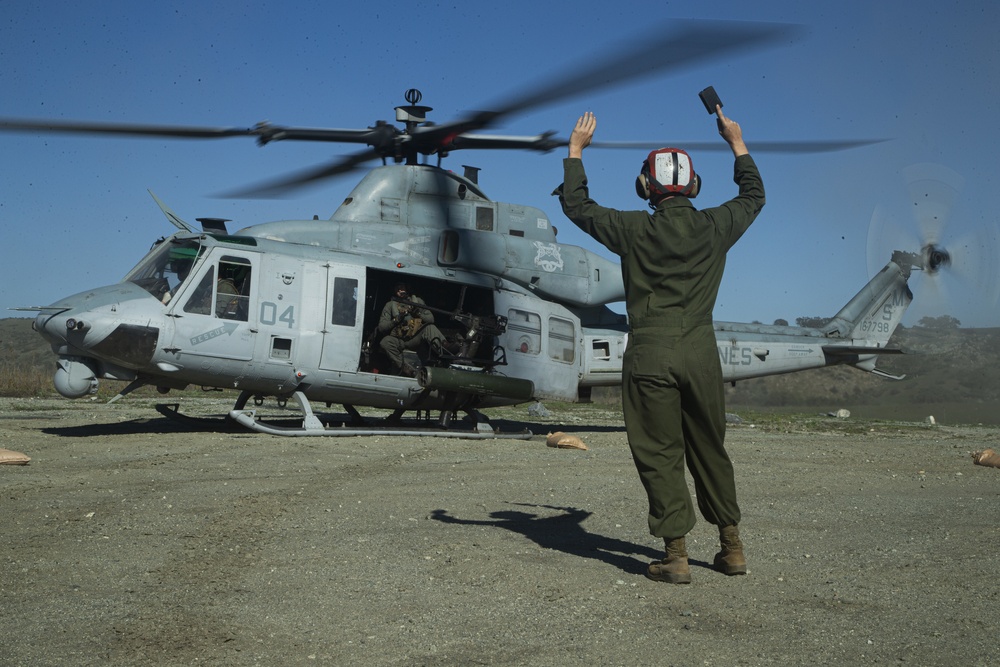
x,y
667,172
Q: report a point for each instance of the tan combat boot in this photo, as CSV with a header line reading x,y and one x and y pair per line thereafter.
x,y
674,568
730,560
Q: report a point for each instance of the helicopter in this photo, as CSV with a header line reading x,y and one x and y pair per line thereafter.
x,y
290,309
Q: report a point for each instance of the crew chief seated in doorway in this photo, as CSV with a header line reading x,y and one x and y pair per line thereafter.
x,y
404,325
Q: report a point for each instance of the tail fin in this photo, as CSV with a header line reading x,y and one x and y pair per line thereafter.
x,y
868,320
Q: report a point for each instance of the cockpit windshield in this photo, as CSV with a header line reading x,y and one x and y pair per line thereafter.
x,y
163,270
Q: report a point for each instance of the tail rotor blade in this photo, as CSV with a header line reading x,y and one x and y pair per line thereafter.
x,y
933,190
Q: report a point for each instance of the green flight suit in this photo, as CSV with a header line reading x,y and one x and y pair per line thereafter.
x,y
406,327
672,390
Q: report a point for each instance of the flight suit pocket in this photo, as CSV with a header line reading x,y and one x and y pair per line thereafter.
x,y
651,357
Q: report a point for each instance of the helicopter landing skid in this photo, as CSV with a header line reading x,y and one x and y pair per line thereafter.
x,y
312,426
172,411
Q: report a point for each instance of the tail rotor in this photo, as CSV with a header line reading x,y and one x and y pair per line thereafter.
x,y
957,257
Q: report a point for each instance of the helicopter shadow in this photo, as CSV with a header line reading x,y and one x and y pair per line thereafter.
x,y
132,427
219,424
515,425
563,532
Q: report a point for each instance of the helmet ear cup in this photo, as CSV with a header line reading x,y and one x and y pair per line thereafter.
x,y
642,186
695,187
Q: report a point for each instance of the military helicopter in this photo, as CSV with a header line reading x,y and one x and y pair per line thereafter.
x,y
290,309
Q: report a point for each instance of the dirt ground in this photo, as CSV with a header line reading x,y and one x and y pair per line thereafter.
x,y
132,540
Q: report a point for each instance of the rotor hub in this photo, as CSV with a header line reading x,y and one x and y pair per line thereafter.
x,y
934,257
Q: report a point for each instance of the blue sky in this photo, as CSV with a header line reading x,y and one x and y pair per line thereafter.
x,y
75,212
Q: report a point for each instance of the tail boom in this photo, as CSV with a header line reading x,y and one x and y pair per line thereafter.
x,y
857,335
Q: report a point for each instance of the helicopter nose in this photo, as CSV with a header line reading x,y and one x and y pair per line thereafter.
x,y
86,318
52,327
61,327
104,337
75,376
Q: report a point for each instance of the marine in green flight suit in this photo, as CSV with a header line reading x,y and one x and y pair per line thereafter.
x,y
673,398
405,325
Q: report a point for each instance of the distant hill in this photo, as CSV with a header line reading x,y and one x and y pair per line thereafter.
x,y
951,373
22,348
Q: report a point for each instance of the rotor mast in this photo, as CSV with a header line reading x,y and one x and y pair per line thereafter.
x,y
412,115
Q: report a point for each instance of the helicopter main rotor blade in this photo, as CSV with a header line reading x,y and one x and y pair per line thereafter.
x,y
539,142
789,146
264,132
676,45
373,136
132,129
547,141
279,187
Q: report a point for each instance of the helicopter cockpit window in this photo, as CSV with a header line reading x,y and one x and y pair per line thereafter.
x,y
226,297
562,342
200,302
232,291
162,271
345,302
525,329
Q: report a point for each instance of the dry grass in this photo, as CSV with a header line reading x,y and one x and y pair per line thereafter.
x,y
30,381
36,382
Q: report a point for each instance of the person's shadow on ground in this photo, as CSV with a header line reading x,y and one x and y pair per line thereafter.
x,y
565,533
